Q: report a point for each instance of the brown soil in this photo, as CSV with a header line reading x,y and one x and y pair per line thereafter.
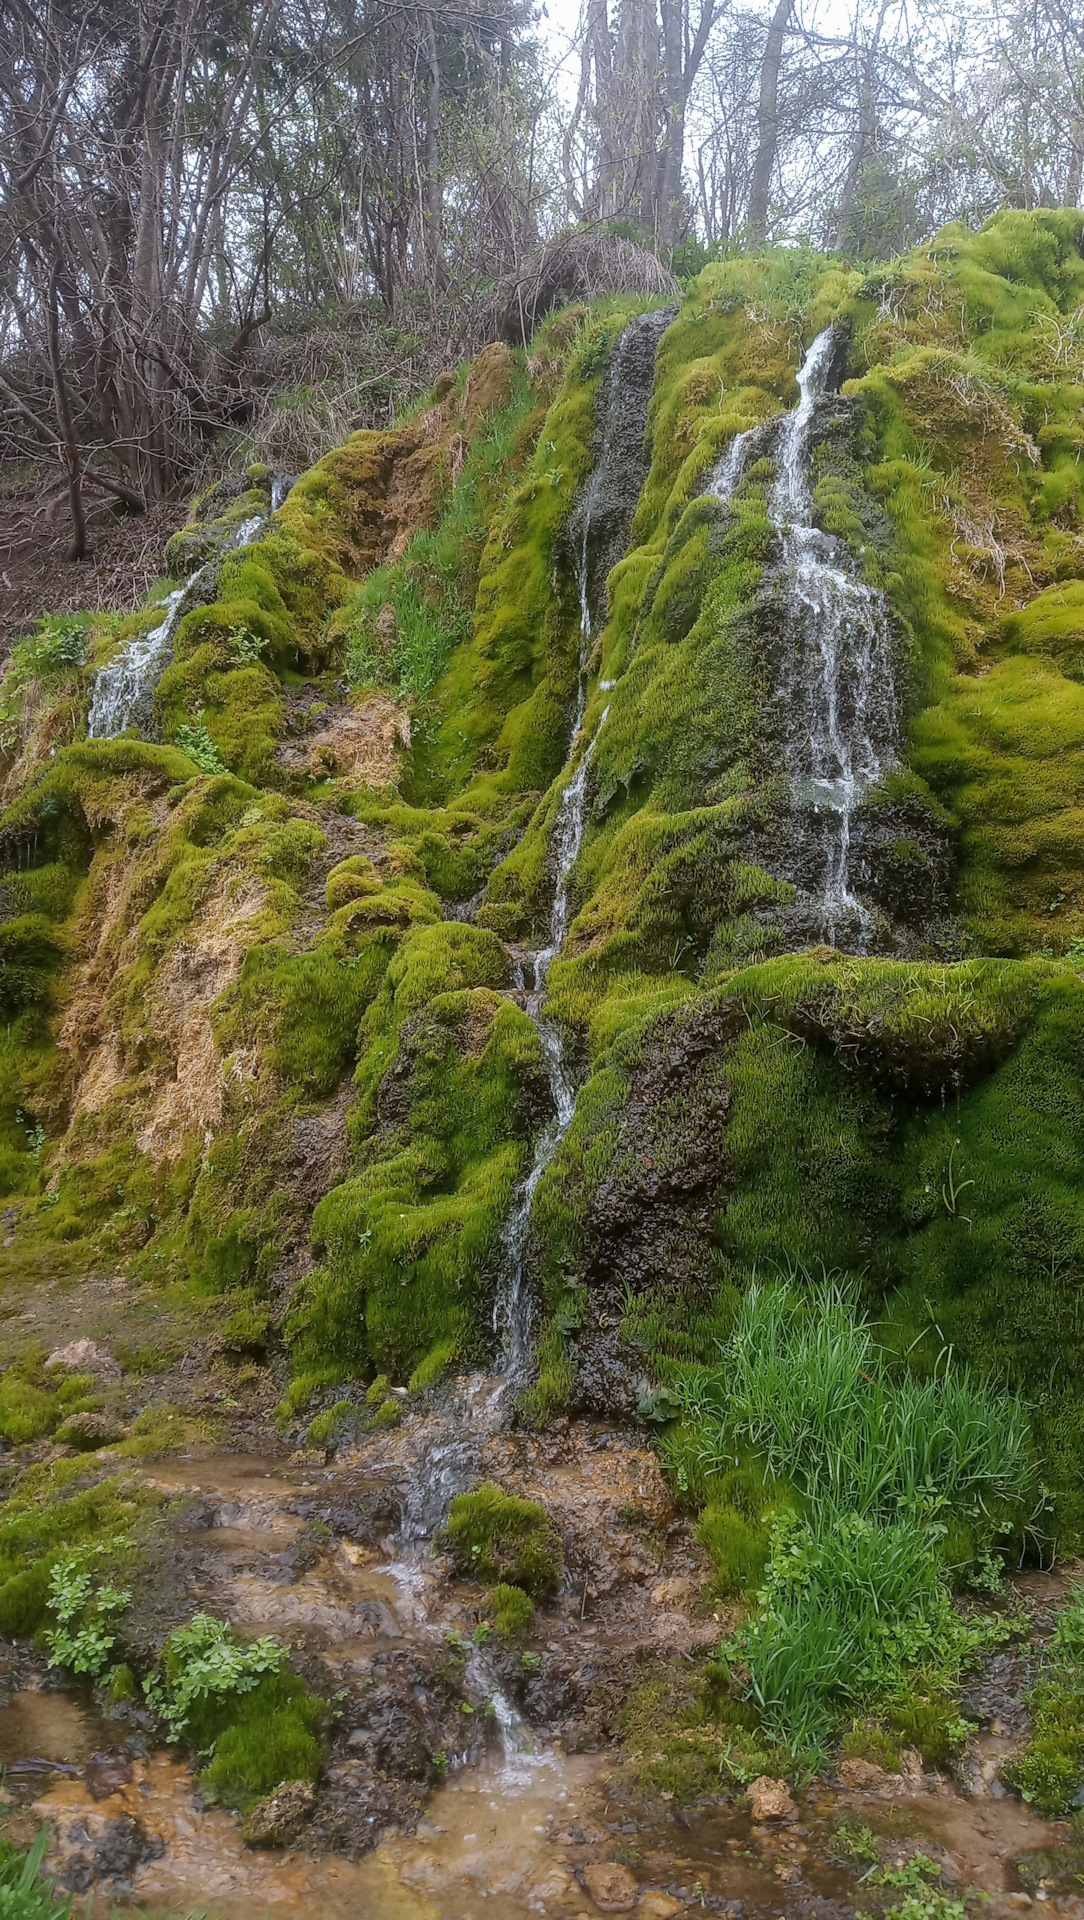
x,y
36,575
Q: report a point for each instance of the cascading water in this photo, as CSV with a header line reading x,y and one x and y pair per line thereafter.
x,y
478,1406
838,685
836,678
512,1308
600,525
124,690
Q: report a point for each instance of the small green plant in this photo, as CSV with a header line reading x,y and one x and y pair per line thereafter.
x,y
193,739
24,1895
853,1840
953,1188
35,1135
57,644
82,1637
923,1899
245,646
206,1661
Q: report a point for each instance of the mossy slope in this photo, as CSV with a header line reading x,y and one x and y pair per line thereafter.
x,y
913,1118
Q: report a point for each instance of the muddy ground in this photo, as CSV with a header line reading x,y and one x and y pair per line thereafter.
x,y
531,1810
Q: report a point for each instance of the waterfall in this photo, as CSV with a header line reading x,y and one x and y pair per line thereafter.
x,y
837,685
124,690
730,466
835,693
512,1307
599,527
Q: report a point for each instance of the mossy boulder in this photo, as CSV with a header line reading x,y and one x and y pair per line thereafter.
x,y
499,1537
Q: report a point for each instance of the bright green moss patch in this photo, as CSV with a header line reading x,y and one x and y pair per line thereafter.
x,y
240,1708
512,1610
272,1735
447,1076
685,1736
497,1536
52,1511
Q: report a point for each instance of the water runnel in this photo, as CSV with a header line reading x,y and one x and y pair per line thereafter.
x,y
123,694
835,706
598,534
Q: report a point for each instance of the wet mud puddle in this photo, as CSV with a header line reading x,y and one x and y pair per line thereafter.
x,y
522,1824
511,1839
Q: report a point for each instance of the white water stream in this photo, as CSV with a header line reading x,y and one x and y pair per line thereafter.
x,y
836,687
479,1405
124,689
512,1306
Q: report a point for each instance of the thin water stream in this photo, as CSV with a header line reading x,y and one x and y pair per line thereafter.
x,y
836,691
124,689
480,1405
598,530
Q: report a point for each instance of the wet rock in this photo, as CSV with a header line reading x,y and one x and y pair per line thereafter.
x,y
425,1873
91,1848
611,1886
658,1906
495,1870
86,1432
276,1821
862,1775
556,1883
105,1773
674,1592
85,1356
646,1220
771,1799
356,1802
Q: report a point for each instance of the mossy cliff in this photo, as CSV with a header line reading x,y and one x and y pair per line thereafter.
x,y
254,1035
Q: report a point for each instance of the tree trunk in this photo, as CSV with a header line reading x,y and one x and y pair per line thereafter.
x,y
767,122
865,132
69,446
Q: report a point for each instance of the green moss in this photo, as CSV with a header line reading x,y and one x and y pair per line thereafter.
x,y
739,1548
259,1739
683,1737
26,1411
512,1610
498,1536
53,1510
446,1076
930,1724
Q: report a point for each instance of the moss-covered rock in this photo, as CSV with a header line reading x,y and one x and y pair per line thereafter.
x,y
498,1536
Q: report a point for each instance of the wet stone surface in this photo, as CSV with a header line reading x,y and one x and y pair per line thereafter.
x,y
462,1778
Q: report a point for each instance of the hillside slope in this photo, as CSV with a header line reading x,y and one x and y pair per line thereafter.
x,y
267,954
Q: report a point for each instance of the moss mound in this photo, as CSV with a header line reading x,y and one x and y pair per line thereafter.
x,y
497,1536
